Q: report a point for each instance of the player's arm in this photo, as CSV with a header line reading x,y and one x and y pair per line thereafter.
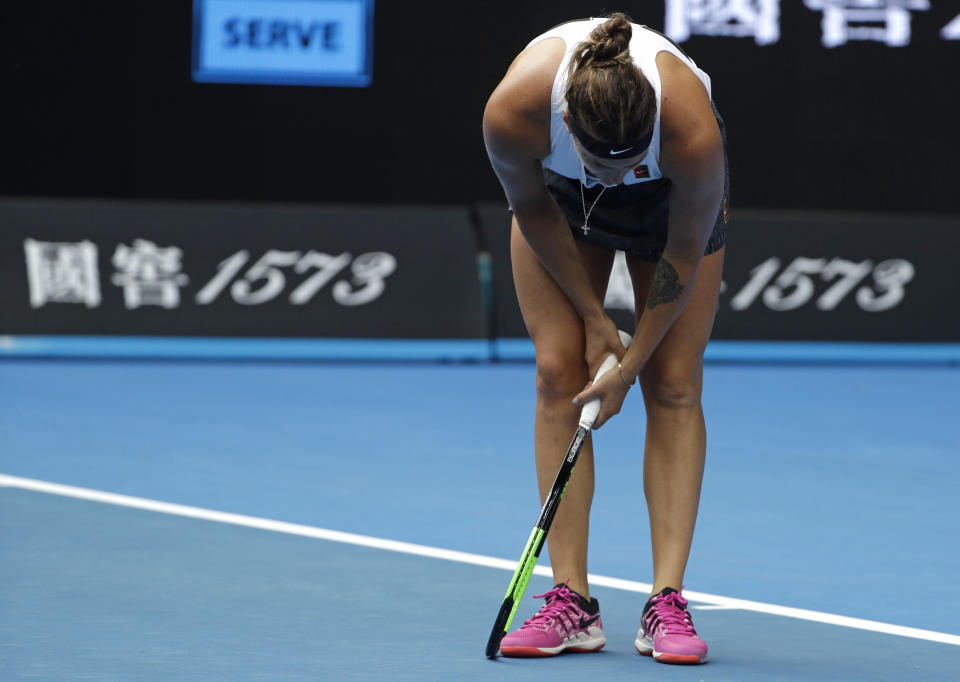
x,y
696,170
516,130
692,157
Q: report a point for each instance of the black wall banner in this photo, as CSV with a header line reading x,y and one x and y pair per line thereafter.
x,y
493,221
802,277
841,278
132,268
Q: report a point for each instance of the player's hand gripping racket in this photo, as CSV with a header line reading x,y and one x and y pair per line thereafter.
x,y
518,583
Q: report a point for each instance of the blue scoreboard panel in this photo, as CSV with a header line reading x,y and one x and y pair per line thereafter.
x,y
283,42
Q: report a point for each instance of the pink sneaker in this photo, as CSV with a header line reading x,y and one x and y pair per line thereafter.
x,y
566,622
666,631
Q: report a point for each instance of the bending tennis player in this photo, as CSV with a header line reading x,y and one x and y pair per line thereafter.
x,y
604,136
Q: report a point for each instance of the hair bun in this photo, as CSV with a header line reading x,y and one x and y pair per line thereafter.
x,y
609,41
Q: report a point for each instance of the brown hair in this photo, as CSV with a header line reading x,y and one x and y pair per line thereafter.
x,y
606,92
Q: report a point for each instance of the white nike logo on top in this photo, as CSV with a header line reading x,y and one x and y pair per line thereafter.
x,y
613,151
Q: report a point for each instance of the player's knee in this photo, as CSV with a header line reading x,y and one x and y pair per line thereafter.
x,y
673,386
559,376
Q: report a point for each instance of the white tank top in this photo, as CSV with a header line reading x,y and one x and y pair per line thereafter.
x,y
645,45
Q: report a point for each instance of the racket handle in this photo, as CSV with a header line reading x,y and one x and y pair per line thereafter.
x,y
589,413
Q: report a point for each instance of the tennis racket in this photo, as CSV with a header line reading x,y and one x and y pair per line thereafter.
x,y
518,583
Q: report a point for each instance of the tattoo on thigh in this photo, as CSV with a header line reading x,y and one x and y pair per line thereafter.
x,y
666,287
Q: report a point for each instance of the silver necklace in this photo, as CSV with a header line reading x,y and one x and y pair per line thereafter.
x,y
586,213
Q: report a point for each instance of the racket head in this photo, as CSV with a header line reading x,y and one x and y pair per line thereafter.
x,y
499,628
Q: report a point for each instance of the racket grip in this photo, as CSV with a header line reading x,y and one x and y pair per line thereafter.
x,y
589,413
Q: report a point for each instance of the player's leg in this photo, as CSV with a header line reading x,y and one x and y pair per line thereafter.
x,y
557,333
672,381
675,446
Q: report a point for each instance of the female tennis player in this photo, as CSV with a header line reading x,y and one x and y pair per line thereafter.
x,y
604,136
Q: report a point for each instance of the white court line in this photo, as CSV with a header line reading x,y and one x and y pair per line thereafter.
x,y
460,557
713,607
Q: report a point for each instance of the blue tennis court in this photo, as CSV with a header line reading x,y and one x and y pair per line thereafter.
x,y
213,520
